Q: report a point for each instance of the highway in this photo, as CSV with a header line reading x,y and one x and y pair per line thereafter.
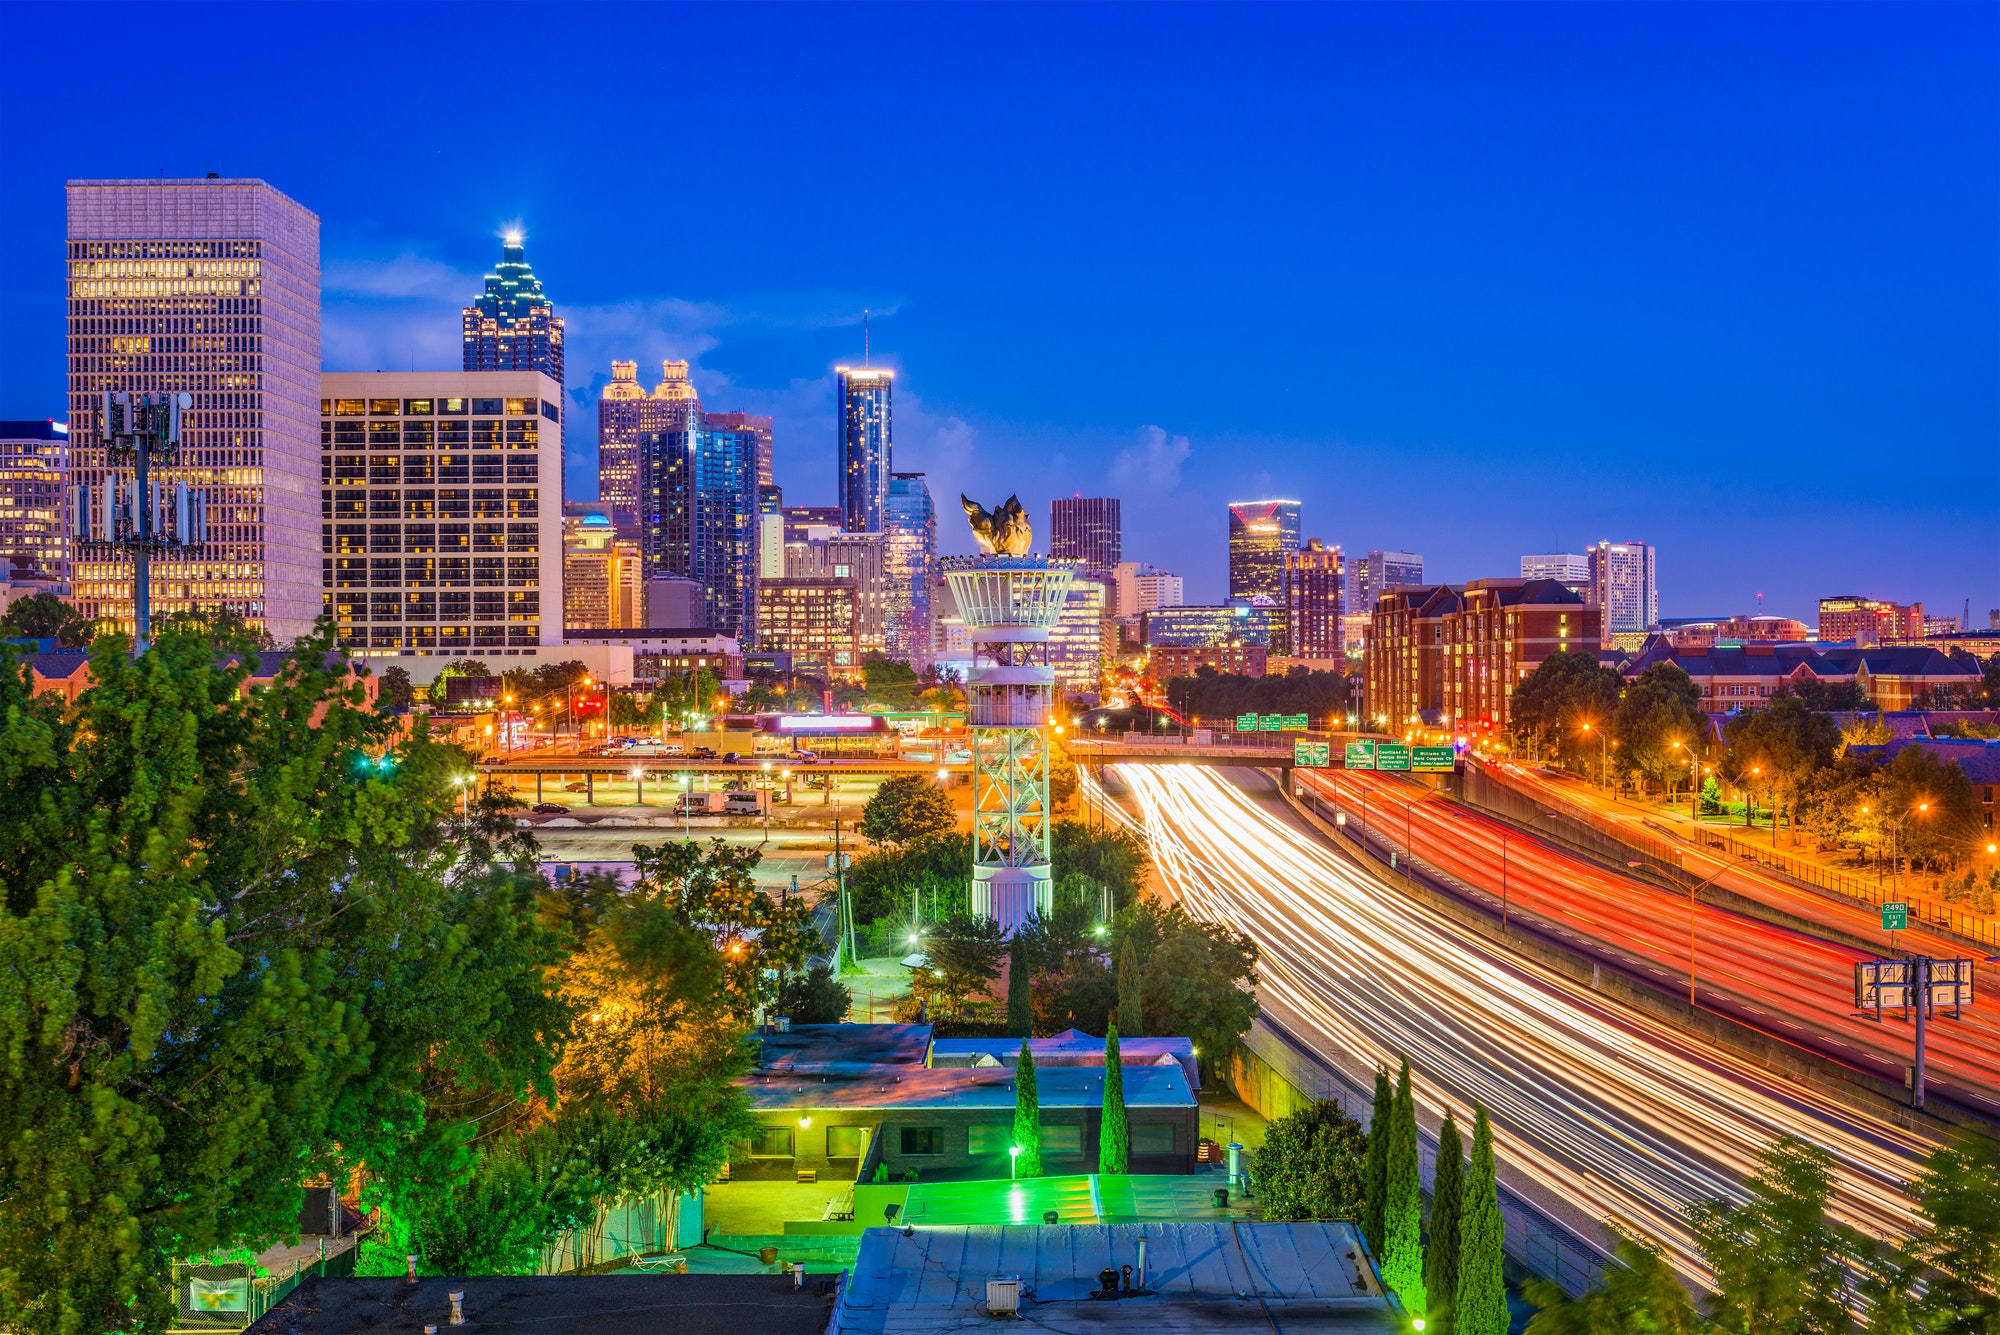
x,y
1789,983
1613,1115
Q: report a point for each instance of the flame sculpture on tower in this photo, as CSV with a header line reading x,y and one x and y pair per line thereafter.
x,y
1010,600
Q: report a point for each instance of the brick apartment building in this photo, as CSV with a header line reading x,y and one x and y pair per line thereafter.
x,y
1451,655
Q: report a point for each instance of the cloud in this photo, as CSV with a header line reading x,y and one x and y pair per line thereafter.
x,y
1154,463
407,275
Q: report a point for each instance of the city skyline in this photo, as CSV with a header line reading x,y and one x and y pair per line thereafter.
x,y
1734,345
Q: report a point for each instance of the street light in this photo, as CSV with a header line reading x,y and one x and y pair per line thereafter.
x,y
1013,1162
1692,893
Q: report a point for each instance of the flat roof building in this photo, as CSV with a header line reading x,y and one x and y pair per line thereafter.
x,y
34,468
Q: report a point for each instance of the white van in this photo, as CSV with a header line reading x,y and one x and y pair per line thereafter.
x,y
752,803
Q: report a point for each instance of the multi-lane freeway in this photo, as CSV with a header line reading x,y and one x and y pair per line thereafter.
x,y
1611,1114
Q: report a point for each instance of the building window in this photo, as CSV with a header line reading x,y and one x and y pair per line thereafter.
x,y
843,1142
991,1139
1062,1140
772,1142
1152,1137
923,1140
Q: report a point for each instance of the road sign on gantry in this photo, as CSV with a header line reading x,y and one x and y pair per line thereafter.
x,y
1361,755
1312,755
1433,758
1895,917
1392,755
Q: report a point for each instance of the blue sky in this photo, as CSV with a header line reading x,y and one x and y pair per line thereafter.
x,y
1466,281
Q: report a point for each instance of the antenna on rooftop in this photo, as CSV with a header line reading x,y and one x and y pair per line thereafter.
x,y
864,338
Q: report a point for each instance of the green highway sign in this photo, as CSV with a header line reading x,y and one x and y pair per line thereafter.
x,y
1361,755
1433,758
1271,723
1895,917
1246,723
1312,755
1392,755
1293,722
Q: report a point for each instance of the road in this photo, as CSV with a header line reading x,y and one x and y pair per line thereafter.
x,y
1789,983
1613,1115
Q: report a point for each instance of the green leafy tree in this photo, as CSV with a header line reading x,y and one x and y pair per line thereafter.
x,y
1939,821
1198,977
1074,989
1114,1137
1779,1264
1958,1194
889,882
1109,857
889,681
245,943
1020,1006
1321,696
1480,1305
813,997
1027,1117
1660,725
1131,1011
1376,1184
1447,1208
1550,705
962,956
908,809
1403,1202
1776,749
1640,1294
1313,1165
43,616
760,938
396,693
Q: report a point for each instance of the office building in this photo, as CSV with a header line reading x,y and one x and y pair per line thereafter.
x,y
1569,569
909,536
1692,632
864,444
1378,572
860,557
1621,583
1866,621
34,462
442,524
698,520
1260,533
1315,593
815,620
626,415
759,428
1191,627
208,287
1236,658
603,586
770,546
675,602
1138,587
806,522
1501,632
511,326
1087,529
1076,645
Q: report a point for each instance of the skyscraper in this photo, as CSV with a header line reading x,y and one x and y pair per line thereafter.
x,y
909,527
864,446
860,557
700,502
1382,571
1621,582
34,460
760,427
1260,533
208,287
511,326
626,415
1087,529
1570,569
1315,592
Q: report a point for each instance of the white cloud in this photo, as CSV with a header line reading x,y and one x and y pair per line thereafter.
x,y
1154,463
400,276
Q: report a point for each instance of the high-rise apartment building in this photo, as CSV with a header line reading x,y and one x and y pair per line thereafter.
x,y
759,427
1260,533
1569,569
442,526
1087,529
1138,587
1621,583
1377,573
34,461
864,446
862,558
805,522
1315,592
512,326
698,494
603,585
626,415
208,287
1868,621
814,620
909,535
1501,632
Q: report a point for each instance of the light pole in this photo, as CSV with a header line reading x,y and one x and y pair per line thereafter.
x,y
1013,1162
639,784
1692,893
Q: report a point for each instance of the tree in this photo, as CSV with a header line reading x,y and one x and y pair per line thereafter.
x,y
1074,988
962,956
220,627
1114,1137
1447,1208
1198,977
1958,1194
908,809
43,616
889,681
1480,1305
1774,750
759,938
1110,857
1322,696
1931,799
1062,778
1376,1183
1640,1293
1131,1012
1312,1165
397,693
1027,1117
1565,691
245,943
1660,725
1779,1265
1403,1202
813,997
1020,1007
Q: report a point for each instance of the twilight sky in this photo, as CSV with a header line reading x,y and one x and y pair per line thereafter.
x,y
1468,281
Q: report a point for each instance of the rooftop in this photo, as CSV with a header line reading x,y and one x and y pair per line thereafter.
x,y
979,1087
555,1305
1072,1047
822,1048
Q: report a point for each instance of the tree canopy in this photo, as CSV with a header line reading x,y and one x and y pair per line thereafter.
x,y
907,809
1322,696
1310,1166
1566,690
43,616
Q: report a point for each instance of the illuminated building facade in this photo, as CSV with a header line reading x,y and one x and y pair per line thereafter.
x,y
1076,642
1377,573
909,558
1867,621
1087,529
698,494
34,463
1405,672
759,427
1260,533
512,326
863,458
212,288
442,524
861,557
1192,627
1315,592
1137,587
602,577
1502,631
1621,582
626,415
1570,569
814,620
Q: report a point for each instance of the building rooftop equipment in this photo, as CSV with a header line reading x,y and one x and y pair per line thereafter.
x,y
1072,1047
977,1087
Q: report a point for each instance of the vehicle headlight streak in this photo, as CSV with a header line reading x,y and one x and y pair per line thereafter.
x,y
1616,1114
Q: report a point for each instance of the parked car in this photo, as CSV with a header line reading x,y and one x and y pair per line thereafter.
x,y
731,757
549,809
703,753
801,757
576,786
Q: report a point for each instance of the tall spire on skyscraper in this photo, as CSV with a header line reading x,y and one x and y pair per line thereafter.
x,y
512,326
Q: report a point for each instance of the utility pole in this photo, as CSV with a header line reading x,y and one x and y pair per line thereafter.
x,y
144,430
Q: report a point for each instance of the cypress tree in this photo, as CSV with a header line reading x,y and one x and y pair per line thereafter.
x,y
1480,1305
1447,1206
1114,1137
1375,1185
1027,1117
1131,1018
1020,1013
1403,1208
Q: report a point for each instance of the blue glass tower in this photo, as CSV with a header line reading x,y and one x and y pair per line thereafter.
x,y
512,326
909,527
864,446
698,520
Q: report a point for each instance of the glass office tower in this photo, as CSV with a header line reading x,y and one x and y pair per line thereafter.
x,y
698,494
1260,533
512,326
864,446
909,528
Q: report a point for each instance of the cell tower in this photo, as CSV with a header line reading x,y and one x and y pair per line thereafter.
x,y
143,430
1010,603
